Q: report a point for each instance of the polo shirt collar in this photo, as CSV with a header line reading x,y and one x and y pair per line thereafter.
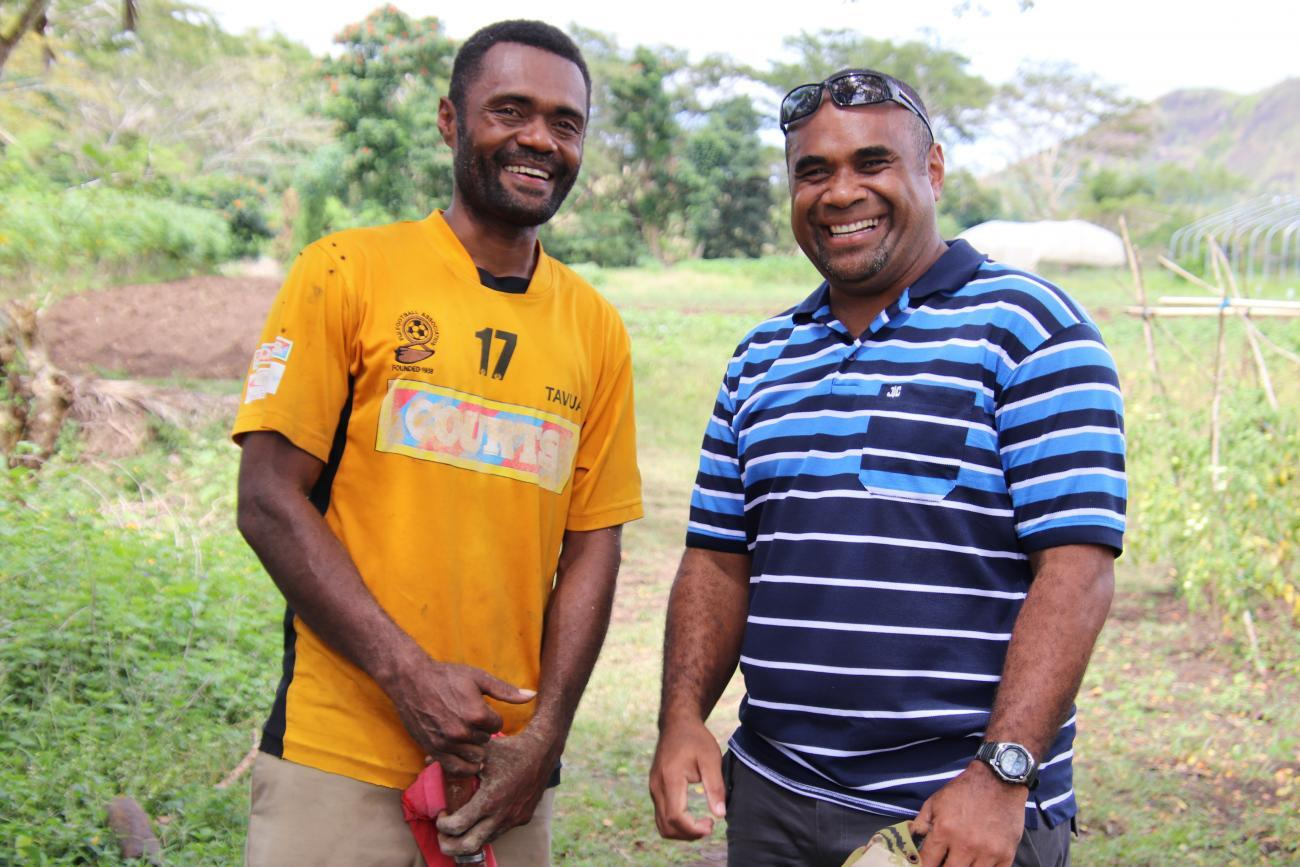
x,y
954,269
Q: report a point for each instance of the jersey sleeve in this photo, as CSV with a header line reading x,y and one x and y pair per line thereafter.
x,y
1060,425
606,481
298,380
717,519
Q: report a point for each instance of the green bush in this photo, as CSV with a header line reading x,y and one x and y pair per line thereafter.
x,y
48,237
1228,536
606,238
242,202
137,642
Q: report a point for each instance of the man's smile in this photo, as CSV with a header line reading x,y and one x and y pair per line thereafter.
x,y
529,171
838,230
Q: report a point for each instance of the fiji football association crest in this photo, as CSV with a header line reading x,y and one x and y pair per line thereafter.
x,y
416,335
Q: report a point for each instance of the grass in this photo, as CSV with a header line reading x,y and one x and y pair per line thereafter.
x,y
139,638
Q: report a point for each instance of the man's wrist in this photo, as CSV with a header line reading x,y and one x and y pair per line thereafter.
x,y
1010,762
399,665
549,729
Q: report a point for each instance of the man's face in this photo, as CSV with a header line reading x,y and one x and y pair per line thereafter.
x,y
518,139
862,198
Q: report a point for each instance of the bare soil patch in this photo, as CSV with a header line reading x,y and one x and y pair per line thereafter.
x,y
203,327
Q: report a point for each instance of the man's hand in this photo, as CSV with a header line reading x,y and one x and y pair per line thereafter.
x,y
687,753
514,778
975,819
442,706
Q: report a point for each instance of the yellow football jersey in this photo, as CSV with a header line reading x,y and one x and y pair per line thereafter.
x,y
464,429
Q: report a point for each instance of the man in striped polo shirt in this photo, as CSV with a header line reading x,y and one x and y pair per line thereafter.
x,y
910,496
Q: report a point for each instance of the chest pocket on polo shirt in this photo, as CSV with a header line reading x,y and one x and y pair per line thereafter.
x,y
915,440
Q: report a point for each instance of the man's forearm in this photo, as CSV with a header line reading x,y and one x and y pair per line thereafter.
x,y
706,622
318,579
1051,643
577,617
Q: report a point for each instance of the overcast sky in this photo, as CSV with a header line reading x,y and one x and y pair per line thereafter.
x,y
1146,47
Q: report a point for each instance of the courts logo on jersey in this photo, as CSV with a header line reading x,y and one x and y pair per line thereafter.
x,y
416,335
439,424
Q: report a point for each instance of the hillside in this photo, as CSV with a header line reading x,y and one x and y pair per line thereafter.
x,y
1255,136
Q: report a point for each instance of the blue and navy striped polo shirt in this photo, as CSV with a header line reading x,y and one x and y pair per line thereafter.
x,y
888,489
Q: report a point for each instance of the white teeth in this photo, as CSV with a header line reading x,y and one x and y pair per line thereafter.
x,y
528,170
846,228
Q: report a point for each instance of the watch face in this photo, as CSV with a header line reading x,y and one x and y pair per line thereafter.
x,y
1013,762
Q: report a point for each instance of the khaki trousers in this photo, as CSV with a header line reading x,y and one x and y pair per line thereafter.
x,y
302,815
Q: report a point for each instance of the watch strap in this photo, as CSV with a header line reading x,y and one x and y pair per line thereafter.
x,y
988,751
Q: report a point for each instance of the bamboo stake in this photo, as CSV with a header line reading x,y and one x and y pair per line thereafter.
x,y
1236,301
1217,400
1280,350
1255,655
1217,310
1214,266
1148,334
1186,275
1264,379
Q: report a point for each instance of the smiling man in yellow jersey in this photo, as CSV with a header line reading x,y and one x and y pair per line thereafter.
x,y
438,455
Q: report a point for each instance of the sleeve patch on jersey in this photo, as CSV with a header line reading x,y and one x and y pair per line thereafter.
x,y
433,423
267,369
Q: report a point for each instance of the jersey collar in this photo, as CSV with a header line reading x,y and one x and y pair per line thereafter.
x,y
457,258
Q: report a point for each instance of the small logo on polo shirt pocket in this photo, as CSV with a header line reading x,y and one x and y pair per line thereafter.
x,y
915,440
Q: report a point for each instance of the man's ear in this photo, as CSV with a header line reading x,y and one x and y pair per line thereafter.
x,y
447,121
934,168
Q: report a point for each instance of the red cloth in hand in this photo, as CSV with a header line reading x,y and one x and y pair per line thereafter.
x,y
421,803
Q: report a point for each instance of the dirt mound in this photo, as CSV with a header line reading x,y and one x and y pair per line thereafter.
x,y
202,327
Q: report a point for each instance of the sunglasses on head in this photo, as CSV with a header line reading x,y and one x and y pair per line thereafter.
x,y
848,89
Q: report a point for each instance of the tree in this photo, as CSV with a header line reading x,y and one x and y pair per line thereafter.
x,y
729,203
384,92
955,98
966,202
32,16
1156,200
175,101
1042,117
642,132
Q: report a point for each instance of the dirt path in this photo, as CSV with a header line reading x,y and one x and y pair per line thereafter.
x,y
200,327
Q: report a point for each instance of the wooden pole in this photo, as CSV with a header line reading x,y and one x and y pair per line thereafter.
x,y
1255,655
1217,392
1264,379
1213,309
1249,303
1186,275
1148,334
1214,266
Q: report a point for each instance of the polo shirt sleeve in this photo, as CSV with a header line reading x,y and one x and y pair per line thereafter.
x,y
717,519
606,481
1060,424
298,381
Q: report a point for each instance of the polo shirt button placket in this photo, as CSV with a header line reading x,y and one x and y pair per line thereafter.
x,y
840,383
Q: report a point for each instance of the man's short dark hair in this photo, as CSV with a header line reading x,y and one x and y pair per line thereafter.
x,y
924,137
538,34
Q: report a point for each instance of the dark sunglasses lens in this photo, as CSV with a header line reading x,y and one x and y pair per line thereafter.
x,y
800,102
858,89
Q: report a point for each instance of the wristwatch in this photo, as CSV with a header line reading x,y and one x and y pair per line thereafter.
x,y
1011,762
